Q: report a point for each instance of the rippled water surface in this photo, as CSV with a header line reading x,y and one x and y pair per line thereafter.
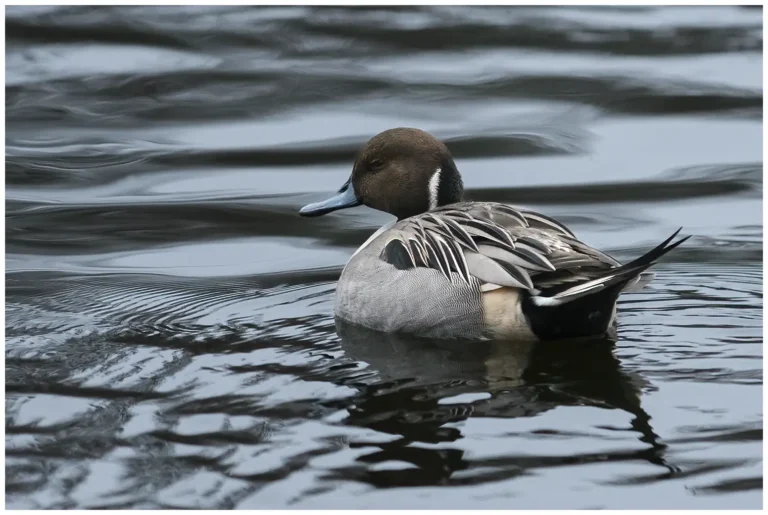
x,y
169,331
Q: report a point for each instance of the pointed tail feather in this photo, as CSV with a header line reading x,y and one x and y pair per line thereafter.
x,y
654,254
628,276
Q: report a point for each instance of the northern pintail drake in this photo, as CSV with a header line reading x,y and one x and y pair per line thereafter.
x,y
447,268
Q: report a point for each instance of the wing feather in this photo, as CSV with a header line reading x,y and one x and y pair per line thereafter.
x,y
496,244
491,271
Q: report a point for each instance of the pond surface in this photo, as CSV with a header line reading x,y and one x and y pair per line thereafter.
x,y
170,339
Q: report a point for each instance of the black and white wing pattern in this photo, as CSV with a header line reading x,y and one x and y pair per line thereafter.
x,y
494,243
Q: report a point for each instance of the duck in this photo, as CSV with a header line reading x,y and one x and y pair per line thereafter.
x,y
448,268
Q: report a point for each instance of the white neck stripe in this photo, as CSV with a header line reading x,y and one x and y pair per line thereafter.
x,y
434,184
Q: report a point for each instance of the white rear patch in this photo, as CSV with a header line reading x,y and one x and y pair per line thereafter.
x,y
434,184
546,301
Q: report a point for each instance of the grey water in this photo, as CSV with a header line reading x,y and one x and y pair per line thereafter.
x,y
170,340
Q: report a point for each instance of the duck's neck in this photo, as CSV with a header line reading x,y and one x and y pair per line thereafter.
x,y
445,185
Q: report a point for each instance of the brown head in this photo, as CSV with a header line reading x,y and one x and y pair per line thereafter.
x,y
401,171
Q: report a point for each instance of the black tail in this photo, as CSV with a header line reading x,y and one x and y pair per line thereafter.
x,y
653,255
587,309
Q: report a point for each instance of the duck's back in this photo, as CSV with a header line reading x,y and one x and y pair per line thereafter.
x,y
379,290
480,269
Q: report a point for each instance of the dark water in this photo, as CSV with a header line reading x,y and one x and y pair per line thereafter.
x,y
169,330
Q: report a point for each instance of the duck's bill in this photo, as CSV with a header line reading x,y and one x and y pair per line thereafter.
x,y
346,197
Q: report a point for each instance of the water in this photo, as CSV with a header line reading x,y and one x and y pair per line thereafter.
x,y
169,330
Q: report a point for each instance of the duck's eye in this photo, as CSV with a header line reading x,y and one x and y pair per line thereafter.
x,y
376,164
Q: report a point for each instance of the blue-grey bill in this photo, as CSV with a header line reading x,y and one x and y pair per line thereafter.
x,y
342,200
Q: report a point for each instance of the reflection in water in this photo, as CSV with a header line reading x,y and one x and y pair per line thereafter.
x,y
513,379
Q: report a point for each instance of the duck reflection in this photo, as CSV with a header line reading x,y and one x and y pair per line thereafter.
x,y
421,386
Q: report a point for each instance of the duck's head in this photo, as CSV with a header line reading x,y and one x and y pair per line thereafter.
x,y
402,171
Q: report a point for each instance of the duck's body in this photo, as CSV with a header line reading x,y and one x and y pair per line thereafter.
x,y
474,270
